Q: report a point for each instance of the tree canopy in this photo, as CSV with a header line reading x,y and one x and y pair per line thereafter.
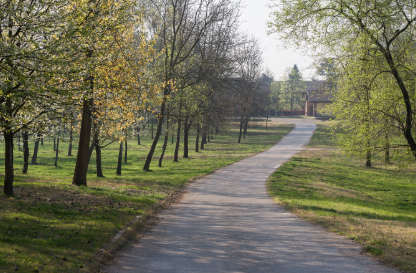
x,y
333,26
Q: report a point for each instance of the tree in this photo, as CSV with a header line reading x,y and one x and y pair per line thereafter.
x,y
355,102
295,88
180,24
275,101
248,69
389,26
30,51
326,68
212,101
112,57
365,102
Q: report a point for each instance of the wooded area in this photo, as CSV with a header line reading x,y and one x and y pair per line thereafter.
x,y
98,72
367,50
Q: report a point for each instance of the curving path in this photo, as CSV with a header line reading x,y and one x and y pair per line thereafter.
x,y
226,223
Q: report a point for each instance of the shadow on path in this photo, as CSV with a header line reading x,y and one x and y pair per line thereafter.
x,y
227,223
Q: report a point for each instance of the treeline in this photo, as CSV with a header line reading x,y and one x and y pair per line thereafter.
x,y
288,95
98,71
371,48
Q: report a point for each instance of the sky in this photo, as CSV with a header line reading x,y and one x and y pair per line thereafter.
x,y
277,55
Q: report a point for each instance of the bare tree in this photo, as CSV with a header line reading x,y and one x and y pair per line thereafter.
x,y
180,25
249,61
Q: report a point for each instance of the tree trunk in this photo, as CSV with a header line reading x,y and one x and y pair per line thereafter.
x,y
407,131
35,151
187,126
125,149
387,149
178,135
198,129
267,120
19,144
241,129
71,138
98,161
57,151
54,143
291,102
178,142
138,136
8,162
165,141
245,127
152,129
25,151
157,136
120,158
368,162
81,168
204,137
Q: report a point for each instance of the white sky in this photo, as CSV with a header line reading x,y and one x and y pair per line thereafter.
x,y
277,58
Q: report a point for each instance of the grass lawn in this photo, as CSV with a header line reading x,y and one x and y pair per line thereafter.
x,y
375,207
52,226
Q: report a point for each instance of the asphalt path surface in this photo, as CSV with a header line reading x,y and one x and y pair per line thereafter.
x,y
227,223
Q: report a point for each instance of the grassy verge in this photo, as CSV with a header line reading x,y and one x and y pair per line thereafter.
x,y
375,207
52,226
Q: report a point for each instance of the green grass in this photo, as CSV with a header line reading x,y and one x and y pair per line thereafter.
x,y
52,226
376,207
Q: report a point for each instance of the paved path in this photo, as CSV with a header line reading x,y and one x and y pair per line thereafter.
x,y
227,223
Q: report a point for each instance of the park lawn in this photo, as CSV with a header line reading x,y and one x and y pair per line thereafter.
x,y
53,226
375,207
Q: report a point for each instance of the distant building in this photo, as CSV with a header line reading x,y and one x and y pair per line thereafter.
x,y
318,94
